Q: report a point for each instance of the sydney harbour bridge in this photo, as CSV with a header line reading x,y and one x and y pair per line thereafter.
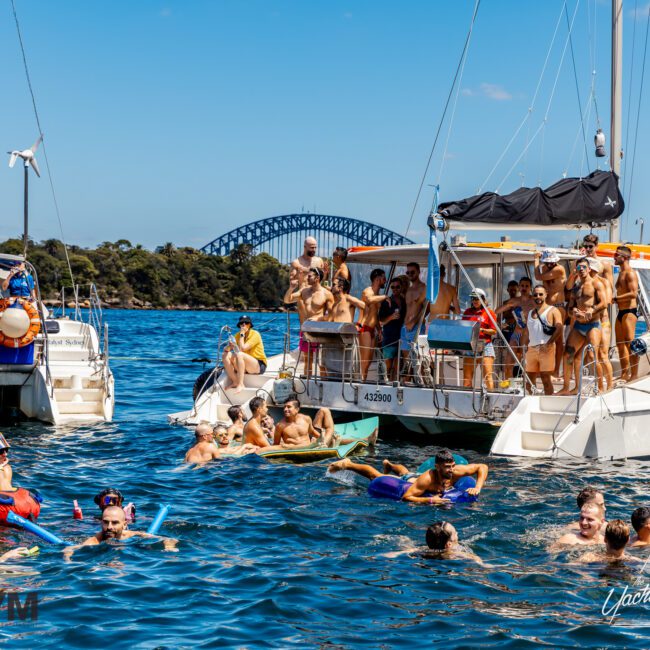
x,y
283,236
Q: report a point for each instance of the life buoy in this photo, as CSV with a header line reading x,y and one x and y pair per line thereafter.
x,y
22,502
34,323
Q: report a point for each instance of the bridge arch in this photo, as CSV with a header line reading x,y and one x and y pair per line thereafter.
x,y
282,236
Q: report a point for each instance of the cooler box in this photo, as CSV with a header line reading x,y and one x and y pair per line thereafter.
x,y
446,334
17,356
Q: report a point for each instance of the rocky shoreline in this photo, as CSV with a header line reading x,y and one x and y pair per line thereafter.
x,y
140,305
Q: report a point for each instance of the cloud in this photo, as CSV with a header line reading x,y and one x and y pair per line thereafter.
x,y
495,92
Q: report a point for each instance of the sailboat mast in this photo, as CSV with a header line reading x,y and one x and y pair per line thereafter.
x,y
616,103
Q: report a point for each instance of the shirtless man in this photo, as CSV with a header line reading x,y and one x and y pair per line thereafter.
x,y
312,304
590,495
627,287
415,300
585,307
447,300
519,306
236,429
307,261
253,430
343,305
617,535
434,481
295,429
369,322
114,527
590,246
552,274
204,449
592,518
339,256
641,525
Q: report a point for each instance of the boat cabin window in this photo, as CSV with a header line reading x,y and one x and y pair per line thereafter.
x,y
483,277
513,272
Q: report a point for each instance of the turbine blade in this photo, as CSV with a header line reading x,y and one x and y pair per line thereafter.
x,y
35,145
35,166
12,159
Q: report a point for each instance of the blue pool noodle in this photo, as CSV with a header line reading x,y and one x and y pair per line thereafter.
x,y
17,520
158,521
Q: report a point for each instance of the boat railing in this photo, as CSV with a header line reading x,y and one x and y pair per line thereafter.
x,y
44,358
581,374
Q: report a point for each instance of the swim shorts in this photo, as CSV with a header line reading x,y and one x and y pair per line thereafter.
x,y
304,346
540,358
390,351
585,328
409,336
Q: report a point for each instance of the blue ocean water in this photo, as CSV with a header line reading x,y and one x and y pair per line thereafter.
x,y
277,556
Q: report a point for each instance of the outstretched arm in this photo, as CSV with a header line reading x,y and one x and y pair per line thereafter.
x,y
481,469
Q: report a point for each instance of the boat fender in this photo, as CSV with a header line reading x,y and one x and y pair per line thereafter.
x,y
393,487
282,390
430,463
204,381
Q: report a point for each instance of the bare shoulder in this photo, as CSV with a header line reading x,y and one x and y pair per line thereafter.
x,y
317,262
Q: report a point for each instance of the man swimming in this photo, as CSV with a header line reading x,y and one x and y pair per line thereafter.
x,y
617,535
641,525
592,518
430,486
113,497
236,429
204,449
590,495
114,528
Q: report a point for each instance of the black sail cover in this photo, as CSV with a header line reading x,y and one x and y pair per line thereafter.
x,y
594,199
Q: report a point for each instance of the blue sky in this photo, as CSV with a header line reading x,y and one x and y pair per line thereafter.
x,y
176,121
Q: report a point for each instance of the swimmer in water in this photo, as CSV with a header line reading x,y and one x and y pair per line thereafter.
x,y
236,429
113,497
433,482
590,495
592,517
114,528
442,543
641,525
205,450
617,535
6,473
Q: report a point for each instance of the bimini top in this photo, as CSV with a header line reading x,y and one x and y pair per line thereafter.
x,y
590,201
469,254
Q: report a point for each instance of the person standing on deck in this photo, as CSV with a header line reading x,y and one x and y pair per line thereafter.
x,y
487,318
391,319
339,256
416,301
447,300
552,274
19,282
307,261
343,305
369,323
627,287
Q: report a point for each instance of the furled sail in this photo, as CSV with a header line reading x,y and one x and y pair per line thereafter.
x,y
594,199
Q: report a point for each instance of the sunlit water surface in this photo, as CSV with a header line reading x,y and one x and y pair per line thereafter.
x,y
274,555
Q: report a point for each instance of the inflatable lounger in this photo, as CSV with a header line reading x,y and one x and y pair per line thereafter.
x,y
362,433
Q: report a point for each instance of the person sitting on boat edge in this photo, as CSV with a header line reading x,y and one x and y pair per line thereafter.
x,y
487,319
114,528
433,483
19,283
246,356
641,524
113,497
236,429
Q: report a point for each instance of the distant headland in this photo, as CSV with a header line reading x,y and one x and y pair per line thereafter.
x,y
132,277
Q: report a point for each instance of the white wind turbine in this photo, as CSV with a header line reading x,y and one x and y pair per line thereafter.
x,y
28,156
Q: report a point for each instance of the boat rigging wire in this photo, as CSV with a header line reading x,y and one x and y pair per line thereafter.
x,y
444,113
629,94
638,114
40,133
575,78
530,108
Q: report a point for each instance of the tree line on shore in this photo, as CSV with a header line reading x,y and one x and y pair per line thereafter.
x,y
129,276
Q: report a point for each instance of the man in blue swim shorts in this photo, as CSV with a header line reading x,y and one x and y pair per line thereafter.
x,y
416,301
587,302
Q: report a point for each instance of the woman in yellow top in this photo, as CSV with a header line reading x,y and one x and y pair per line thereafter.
x,y
247,356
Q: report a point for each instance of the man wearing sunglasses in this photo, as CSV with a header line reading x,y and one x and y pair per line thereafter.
x,y
590,248
543,329
627,287
586,304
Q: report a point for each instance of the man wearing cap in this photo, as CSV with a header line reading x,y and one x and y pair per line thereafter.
x,y
551,273
627,287
487,318
587,301
19,282
246,356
